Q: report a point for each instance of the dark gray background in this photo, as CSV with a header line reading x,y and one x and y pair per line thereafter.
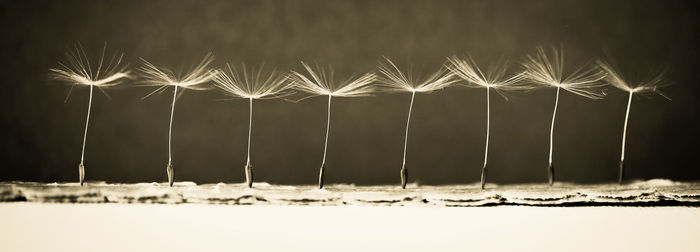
x,y
127,139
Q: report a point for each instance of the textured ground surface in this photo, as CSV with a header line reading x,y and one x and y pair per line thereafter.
x,y
640,193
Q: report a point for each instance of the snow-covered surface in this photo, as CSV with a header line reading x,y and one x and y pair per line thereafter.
x,y
655,192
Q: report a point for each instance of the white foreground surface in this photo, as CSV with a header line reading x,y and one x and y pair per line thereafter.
x,y
195,227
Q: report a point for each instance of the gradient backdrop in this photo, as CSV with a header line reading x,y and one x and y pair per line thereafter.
x,y
127,140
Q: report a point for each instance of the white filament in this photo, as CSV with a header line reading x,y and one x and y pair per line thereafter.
x,y
250,125
170,130
624,131
551,130
82,155
328,127
405,143
488,121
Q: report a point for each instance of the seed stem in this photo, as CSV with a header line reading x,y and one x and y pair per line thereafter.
x,y
169,168
551,139
170,130
81,166
404,172
408,121
624,138
248,166
325,146
250,125
87,121
488,122
488,128
328,126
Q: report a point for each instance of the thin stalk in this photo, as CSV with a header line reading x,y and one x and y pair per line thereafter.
x,y
325,145
170,129
328,127
87,121
488,128
624,137
551,139
250,125
248,165
81,166
404,172
169,169
408,121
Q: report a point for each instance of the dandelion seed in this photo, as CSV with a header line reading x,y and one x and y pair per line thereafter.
x,y
251,86
495,78
78,70
321,83
546,71
393,80
616,80
164,78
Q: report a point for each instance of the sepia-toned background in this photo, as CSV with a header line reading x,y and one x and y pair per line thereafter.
x,y
127,140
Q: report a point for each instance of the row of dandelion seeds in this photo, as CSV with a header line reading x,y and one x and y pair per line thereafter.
x,y
542,69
